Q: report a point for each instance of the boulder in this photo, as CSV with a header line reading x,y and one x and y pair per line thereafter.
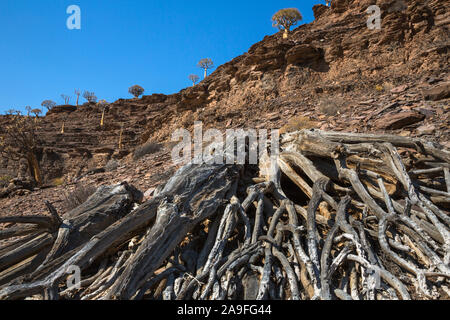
x,y
438,92
426,129
399,89
399,120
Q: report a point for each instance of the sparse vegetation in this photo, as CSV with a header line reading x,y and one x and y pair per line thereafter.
x,y
206,64
20,141
388,86
136,90
148,148
331,106
90,96
298,123
48,104
194,78
78,196
111,165
4,181
285,19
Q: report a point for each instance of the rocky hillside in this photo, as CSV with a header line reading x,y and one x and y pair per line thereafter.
x,y
334,73
376,204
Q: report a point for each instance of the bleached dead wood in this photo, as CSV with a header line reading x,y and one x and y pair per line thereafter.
x,y
358,221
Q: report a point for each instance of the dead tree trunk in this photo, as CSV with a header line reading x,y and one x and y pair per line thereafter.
x,y
334,216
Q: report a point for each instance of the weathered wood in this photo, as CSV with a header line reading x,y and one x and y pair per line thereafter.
x,y
18,231
210,233
197,200
26,250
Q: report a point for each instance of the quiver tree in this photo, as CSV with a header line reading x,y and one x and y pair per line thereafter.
x,y
36,113
66,99
285,19
194,78
77,94
90,96
136,90
63,125
206,64
28,108
103,104
49,104
19,140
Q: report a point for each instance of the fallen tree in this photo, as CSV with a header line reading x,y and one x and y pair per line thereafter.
x,y
333,216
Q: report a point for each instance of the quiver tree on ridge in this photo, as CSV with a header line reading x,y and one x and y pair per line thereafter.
x,y
136,90
206,64
90,96
36,113
48,104
66,99
194,78
77,94
285,19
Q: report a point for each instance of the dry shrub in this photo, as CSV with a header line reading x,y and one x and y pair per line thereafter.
x,y
331,106
4,181
148,148
78,196
298,123
111,165
58,181
388,86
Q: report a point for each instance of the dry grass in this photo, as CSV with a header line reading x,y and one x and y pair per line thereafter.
x,y
331,106
4,181
385,87
298,123
388,86
148,148
58,181
78,196
111,165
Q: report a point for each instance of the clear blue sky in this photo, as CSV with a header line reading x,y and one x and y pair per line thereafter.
x,y
153,43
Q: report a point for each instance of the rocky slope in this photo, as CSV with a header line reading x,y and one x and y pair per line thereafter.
x,y
334,73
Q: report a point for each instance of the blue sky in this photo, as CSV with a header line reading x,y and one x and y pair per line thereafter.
x,y
153,43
